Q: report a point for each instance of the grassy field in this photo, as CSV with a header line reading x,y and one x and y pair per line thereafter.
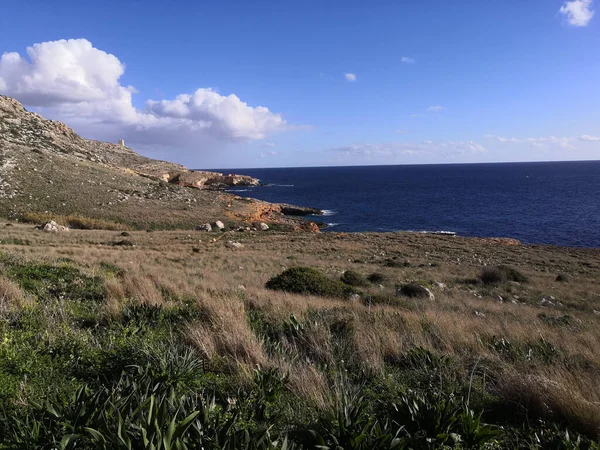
x,y
171,339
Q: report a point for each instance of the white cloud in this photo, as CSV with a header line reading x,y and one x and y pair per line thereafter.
x,y
578,12
436,108
587,137
544,141
401,131
407,60
75,82
398,149
350,76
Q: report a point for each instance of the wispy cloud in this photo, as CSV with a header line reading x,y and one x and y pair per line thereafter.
x,y
401,131
577,12
435,108
407,60
587,137
350,77
402,149
567,143
267,154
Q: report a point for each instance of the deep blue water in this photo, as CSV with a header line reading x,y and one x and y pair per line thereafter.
x,y
539,203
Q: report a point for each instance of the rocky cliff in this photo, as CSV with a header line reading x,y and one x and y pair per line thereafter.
x,y
46,167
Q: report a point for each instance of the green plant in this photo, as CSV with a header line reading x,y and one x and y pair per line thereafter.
x,y
307,280
352,278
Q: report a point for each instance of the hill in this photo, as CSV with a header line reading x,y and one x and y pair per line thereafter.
x,y
47,168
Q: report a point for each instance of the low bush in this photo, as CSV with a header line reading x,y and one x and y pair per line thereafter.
x,y
307,280
414,290
376,278
562,278
352,278
501,274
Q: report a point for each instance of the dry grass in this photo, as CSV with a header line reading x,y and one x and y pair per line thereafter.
x,y
11,295
76,221
466,321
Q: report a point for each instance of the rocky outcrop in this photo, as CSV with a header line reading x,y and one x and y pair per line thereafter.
x,y
290,210
53,227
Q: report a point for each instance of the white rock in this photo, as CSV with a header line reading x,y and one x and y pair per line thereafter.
x,y
354,297
263,226
220,225
205,227
232,244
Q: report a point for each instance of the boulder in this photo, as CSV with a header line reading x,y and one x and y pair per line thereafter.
x,y
53,227
263,226
205,227
220,225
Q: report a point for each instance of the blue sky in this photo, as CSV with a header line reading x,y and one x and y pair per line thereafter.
x,y
304,83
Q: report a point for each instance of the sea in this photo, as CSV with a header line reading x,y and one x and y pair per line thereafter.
x,y
555,203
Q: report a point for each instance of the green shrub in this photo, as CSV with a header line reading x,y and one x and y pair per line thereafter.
x,y
376,278
352,278
307,280
501,274
414,290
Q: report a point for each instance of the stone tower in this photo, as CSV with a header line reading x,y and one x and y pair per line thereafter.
x,y
122,142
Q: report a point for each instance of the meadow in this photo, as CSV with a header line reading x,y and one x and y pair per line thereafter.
x,y
184,339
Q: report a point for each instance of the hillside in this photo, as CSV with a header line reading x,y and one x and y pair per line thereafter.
x,y
353,341
45,167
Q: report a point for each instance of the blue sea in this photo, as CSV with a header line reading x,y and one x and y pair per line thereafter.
x,y
538,203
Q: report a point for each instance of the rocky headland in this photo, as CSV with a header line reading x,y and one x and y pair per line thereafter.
x,y
47,168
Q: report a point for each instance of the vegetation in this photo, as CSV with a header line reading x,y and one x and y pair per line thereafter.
x,y
76,221
307,280
153,346
352,278
501,274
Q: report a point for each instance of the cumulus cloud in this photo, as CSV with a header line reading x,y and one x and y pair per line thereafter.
x,y
435,108
80,84
577,12
407,60
350,76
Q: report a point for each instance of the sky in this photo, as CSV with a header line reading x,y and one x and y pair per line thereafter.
x,y
234,84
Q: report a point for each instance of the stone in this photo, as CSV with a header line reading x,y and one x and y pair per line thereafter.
x,y
263,226
53,227
354,297
478,314
234,245
220,225
440,286
205,227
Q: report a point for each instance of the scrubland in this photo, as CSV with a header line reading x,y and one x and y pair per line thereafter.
x,y
171,339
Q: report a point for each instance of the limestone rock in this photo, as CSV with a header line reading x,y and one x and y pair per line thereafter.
x,y
263,226
220,225
53,227
234,245
205,227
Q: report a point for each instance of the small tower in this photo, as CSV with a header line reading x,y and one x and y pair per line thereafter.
x,y
122,142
